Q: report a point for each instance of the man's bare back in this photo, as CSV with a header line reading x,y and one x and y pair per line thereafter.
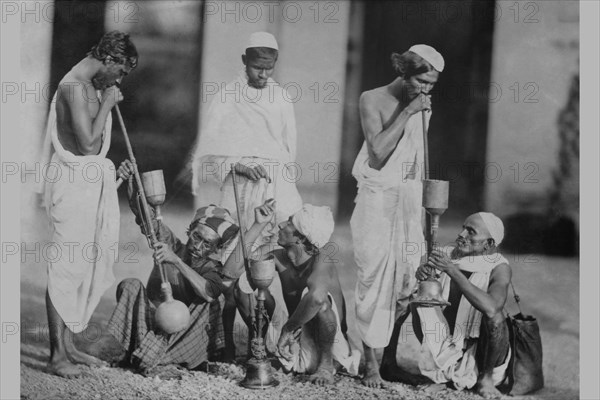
x,y
67,89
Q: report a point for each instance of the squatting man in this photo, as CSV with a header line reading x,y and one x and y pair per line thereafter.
x,y
197,279
313,340
474,349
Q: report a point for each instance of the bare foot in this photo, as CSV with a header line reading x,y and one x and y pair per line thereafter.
x,y
64,368
79,357
322,377
372,378
487,390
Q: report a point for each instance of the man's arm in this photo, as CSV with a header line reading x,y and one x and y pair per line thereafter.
x,y
381,141
88,130
313,301
200,284
489,303
234,266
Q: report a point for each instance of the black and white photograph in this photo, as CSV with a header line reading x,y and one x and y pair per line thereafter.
x,y
298,199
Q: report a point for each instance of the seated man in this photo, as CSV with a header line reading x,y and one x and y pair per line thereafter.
x,y
196,278
466,344
315,333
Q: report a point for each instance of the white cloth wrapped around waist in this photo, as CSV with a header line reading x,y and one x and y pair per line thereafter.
x,y
84,216
306,353
388,244
80,197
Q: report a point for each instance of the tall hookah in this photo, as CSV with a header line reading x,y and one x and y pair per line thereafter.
x,y
435,202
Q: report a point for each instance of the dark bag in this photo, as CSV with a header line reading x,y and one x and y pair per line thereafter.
x,y
525,372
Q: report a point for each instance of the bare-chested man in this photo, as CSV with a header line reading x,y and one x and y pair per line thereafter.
x,y
314,337
81,200
387,216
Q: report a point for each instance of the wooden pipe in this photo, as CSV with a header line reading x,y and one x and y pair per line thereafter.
x,y
172,315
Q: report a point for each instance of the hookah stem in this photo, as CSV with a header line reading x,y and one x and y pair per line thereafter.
x,y
138,181
426,162
425,144
240,218
431,233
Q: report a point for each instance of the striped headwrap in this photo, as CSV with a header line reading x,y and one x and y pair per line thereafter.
x,y
218,219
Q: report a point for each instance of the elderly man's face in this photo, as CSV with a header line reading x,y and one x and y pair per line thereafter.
x,y
473,239
202,242
422,83
259,70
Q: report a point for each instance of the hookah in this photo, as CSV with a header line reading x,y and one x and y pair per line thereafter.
x,y
172,315
435,202
259,373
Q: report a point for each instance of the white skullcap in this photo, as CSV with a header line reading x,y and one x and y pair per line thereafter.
x,y
494,226
262,39
316,223
430,55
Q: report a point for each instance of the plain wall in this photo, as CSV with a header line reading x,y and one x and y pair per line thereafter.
x,y
539,54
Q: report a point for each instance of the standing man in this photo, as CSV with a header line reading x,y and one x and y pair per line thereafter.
x,y
81,199
251,125
386,222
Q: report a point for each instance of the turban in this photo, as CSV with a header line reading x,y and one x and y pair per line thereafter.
x,y
218,219
262,39
430,55
494,226
316,223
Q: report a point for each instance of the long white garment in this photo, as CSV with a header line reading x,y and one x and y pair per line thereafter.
x,y
80,197
251,126
445,357
387,233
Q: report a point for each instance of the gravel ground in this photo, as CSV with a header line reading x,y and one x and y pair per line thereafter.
x,y
220,383
537,277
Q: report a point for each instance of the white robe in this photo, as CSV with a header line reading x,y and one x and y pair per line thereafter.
x,y
251,126
81,201
387,233
446,357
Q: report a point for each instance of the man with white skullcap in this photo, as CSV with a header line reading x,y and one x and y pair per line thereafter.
x,y
251,125
315,333
471,350
388,209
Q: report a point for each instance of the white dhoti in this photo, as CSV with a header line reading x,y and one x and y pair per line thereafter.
x,y
306,355
387,234
447,357
81,201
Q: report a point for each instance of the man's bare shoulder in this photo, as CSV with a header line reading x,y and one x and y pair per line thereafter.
x,y
374,94
501,272
71,88
375,98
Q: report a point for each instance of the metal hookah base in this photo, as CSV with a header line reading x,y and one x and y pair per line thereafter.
x,y
259,375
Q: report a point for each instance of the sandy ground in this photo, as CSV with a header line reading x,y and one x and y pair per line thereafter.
x,y
548,286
